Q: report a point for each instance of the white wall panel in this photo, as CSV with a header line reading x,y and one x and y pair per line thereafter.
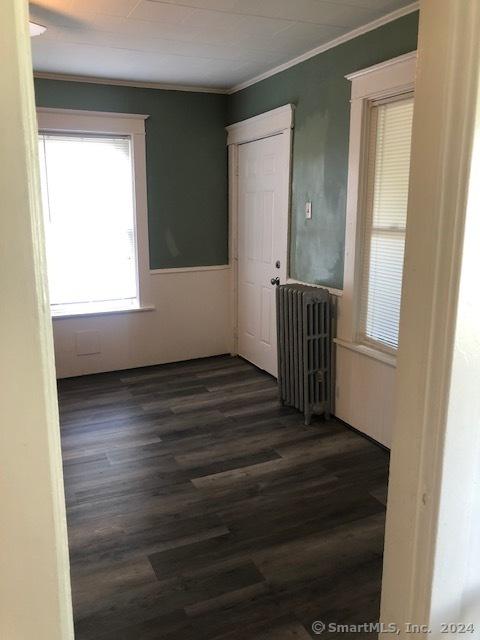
x,y
365,390
192,319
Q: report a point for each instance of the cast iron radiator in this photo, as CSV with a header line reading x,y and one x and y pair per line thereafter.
x,y
304,353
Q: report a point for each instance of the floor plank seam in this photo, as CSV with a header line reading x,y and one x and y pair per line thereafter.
x,y
198,508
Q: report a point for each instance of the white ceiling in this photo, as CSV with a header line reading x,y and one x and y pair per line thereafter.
x,y
208,43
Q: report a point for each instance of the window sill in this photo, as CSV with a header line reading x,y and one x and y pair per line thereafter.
x,y
370,352
334,292
100,312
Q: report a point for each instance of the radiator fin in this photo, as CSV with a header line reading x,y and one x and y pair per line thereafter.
x,y
304,348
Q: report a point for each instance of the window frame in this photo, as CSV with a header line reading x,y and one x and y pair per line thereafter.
x,y
387,80
363,215
71,121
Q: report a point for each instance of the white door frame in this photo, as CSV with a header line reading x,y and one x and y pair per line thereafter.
x,y
35,599
274,122
432,548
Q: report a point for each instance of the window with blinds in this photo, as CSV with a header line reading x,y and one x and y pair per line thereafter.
x,y
385,221
87,193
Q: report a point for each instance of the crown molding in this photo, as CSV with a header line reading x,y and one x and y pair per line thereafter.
x,y
126,83
390,17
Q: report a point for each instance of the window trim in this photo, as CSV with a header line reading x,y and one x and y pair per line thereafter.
x,y
127,124
383,81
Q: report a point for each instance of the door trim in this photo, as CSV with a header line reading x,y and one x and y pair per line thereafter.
x,y
431,558
278,121
262,126
34,527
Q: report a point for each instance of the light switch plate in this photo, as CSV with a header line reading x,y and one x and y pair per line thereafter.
x,y
308,211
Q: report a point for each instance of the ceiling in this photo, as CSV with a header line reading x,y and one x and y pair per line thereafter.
x,y
216,44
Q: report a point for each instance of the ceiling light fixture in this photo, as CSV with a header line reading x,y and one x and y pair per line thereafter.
x,y
36,29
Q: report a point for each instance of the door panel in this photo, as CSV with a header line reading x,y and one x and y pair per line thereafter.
x,y
263,199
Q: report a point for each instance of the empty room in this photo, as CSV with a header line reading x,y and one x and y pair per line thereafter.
x,y
240,329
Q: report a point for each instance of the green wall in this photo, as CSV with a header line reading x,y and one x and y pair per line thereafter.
x,y
186,164
321,94
187,158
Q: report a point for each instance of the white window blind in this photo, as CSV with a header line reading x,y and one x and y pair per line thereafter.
x,y
385,221
87,193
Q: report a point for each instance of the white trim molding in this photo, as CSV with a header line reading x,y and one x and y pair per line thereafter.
x,y
34,538
261,126
41,75
216,267
389,78
278,121
385,64
74,120
385,77
431,571
370,352
334,292
53,119
103,312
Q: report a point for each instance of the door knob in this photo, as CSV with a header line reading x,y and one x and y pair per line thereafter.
x,y
275,281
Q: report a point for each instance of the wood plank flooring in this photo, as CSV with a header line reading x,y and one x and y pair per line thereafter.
x,y
198,509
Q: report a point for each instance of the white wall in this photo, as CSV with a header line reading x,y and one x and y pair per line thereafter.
x,y
192,319
364,394
35,598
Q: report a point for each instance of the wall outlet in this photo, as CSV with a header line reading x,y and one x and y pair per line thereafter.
x,y
308,211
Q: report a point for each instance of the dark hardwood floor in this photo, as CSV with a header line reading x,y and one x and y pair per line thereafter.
x,y
198,509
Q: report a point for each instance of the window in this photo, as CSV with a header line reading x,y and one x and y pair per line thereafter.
x,y
92,179
385,218
381,112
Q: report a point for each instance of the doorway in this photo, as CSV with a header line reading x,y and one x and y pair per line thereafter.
x,y
260,198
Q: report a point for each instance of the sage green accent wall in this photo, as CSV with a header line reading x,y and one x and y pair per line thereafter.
x,y
187,158
320,93
186,164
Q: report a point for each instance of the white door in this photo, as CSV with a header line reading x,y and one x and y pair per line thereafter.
x,y
263,201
